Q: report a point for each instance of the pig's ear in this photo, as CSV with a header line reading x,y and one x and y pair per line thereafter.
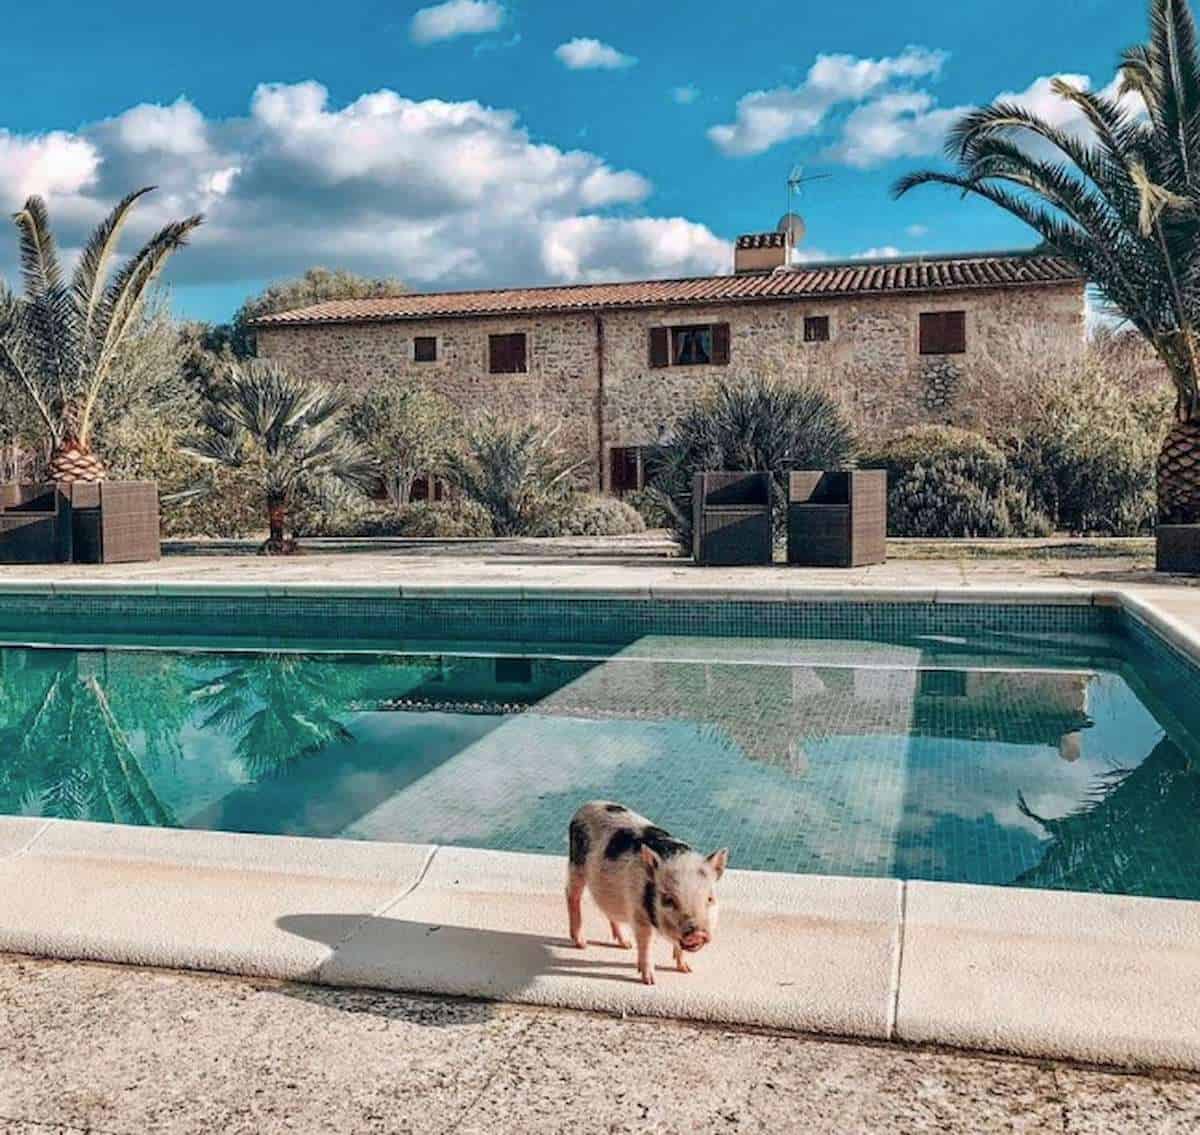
x,y
650,859
718,861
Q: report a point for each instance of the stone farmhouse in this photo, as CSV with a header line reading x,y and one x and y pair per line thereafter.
x,y
952,339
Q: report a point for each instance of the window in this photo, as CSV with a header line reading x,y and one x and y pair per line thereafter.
x,y
943,332
506,353
700,344
816,328
625,469
425,349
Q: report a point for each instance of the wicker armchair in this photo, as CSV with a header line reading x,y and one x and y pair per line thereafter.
x,y
1178,548
35,524
731,519
837,519
114,522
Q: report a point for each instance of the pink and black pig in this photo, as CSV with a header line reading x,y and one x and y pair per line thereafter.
x,y
641,876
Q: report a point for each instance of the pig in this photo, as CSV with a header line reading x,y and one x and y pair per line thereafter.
x,y
643,876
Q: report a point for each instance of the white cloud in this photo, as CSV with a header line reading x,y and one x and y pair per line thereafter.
x,y
444,194
902,124
884,252
766,118
585,54
917,230
455,18
686,94
45,163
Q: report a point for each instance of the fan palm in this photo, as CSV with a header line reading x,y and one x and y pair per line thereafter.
x,y
58,341
1124,204
290,434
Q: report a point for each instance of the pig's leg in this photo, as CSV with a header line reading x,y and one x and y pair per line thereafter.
x,y
575,884
644,933
619,936
680,961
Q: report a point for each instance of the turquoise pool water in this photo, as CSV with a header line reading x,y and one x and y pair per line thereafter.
x,y
1034,757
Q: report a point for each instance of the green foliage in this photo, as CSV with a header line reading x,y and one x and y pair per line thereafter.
x,y
514,471
425,519
1122,202
407,431
585,514
288,435
317,285
649,507
60,342
758,424
944,482
1087,459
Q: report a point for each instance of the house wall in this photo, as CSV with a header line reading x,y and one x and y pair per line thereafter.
x,y
871,363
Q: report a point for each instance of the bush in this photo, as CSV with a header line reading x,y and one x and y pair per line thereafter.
x,y
759,424
1088,460
649,507
515,472
420,519
944,481
588,515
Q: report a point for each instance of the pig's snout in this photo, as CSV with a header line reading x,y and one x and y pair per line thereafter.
x,y
693,940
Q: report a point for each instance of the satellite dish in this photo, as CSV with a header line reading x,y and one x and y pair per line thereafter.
x,y
793,226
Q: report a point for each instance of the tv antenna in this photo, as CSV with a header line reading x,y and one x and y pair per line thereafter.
x,y
791,224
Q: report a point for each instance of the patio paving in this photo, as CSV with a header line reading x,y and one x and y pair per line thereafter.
x,y
106,1049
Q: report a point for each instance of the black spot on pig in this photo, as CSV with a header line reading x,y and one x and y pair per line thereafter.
x,y
613,809
580,843
649,899
663,843
622,842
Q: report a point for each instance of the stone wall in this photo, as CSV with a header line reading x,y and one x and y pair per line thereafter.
x,y
871,363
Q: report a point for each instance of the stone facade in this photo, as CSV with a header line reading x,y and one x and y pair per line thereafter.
x,y
590,371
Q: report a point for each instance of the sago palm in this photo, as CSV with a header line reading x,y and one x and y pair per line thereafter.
x,y
1124,204
59,339
290,434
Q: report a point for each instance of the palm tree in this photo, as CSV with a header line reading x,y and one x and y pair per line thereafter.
x,y
58,341
290,433
1124,204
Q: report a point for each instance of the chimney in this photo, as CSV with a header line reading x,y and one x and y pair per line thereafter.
x,y
760,252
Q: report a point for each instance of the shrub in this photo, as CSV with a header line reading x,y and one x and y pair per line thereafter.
x,y
1088,459
585,514
760,424
944,481
649,507
515,472
420,519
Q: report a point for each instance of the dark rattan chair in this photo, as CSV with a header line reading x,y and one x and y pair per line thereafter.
x,y
35,524
1178,548
837,519
731,518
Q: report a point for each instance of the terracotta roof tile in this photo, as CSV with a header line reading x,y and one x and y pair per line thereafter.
x,y
984,270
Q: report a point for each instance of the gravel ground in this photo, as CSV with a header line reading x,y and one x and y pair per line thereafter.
x,y
109,1049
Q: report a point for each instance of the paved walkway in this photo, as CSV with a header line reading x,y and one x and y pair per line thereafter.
x,y
87,1048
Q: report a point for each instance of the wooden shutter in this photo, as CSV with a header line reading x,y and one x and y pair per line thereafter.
x,y
955,332
623,469
660,346
943,332
506,353
720,344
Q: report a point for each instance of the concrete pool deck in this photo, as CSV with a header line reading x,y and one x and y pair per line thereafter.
x,y
1102,979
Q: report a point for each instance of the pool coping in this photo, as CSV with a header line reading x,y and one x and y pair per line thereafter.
x,y
1049,974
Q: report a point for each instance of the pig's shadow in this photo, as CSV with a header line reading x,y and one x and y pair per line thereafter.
x,y
463,961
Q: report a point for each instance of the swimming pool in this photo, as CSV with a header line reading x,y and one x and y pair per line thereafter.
x,y
1047,746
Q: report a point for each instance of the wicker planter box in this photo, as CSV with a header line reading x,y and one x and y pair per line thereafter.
x,y
1178,547
731,519
103,522
837,519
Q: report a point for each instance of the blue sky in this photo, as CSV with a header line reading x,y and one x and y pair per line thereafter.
x,y
487,143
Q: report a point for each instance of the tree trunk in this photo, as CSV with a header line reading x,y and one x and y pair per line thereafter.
x,y
278,543
72,461
1179,475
